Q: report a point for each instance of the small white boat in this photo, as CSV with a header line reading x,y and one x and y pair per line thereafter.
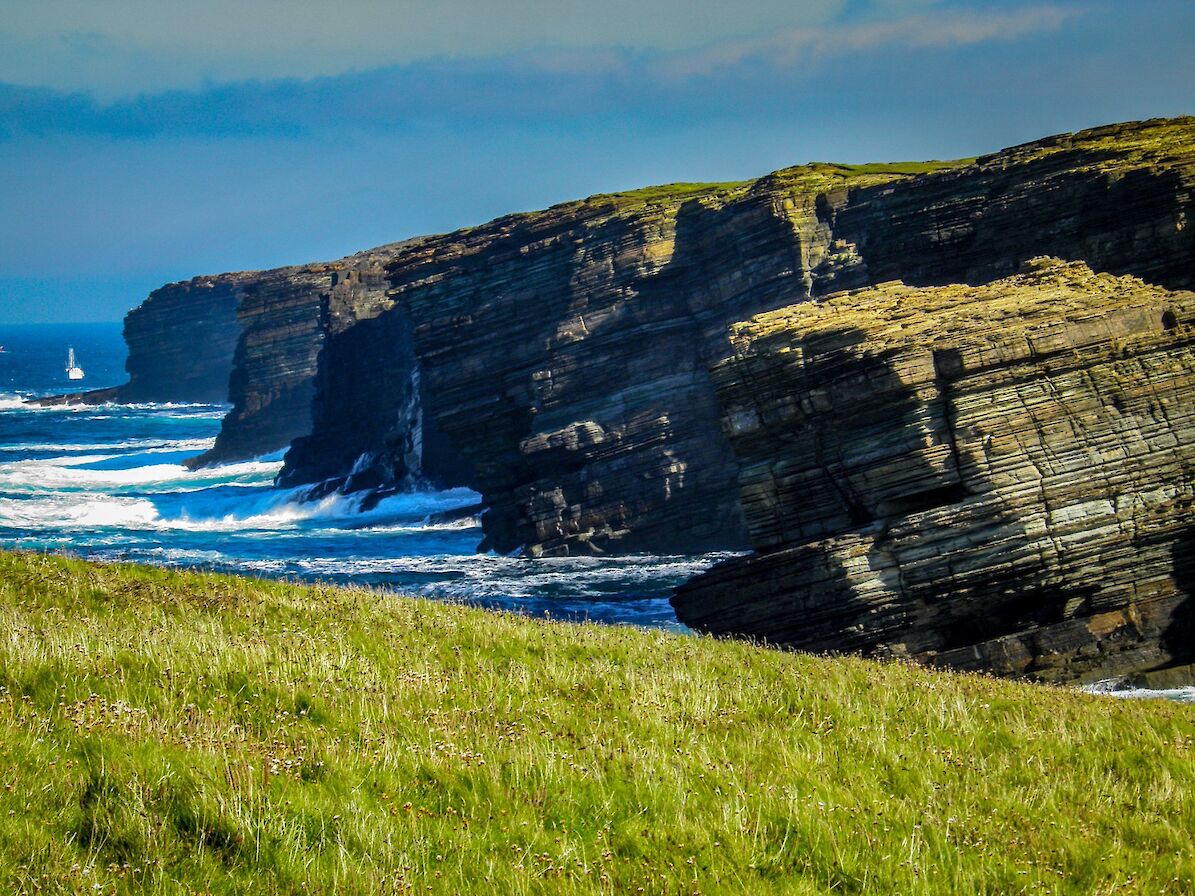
x,y
73,370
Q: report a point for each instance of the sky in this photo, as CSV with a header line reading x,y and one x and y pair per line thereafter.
x,y
148,141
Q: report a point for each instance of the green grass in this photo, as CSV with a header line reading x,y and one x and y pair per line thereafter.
x,y
678,192
167,732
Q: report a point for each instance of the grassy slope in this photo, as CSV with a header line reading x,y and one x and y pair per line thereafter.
x,y
177,732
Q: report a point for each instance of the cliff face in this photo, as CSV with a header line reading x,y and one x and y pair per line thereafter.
x,y
369,425
565,352
180,341
995,477
271,383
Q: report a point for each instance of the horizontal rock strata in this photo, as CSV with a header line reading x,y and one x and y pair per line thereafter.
x,y
566,352
271,382
1121,198
995,477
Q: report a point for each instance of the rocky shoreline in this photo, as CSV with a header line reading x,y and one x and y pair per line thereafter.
x,y
559,363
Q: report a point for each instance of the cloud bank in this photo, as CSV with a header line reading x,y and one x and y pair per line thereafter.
x,y
736,77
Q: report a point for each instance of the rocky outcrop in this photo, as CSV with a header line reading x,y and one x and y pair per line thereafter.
x,y
180,342
271,383
998,477
565,351
370,430
1121,198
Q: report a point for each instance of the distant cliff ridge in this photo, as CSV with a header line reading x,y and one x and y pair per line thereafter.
x,y
180,342
995,477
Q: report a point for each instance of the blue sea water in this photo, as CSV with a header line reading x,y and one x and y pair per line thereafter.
x,y
107,483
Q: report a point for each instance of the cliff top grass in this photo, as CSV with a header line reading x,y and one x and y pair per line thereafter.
x,y
1046,294
167,732
1128,144
677,192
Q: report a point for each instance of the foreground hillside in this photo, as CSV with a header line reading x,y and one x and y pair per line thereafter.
x,y
171,732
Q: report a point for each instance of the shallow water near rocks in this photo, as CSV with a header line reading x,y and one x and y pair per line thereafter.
x,y
107,483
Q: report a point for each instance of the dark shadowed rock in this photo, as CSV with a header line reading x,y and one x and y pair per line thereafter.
x,y
370,430
271,382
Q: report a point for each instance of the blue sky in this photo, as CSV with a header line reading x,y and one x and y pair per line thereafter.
x,y
146,141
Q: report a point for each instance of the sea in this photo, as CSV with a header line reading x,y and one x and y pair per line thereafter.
x,y
108,483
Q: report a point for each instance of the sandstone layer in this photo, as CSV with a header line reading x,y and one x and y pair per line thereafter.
x,y
998,477
564,353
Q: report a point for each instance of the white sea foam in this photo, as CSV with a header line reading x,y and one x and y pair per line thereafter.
x,y
263,512
478,576
1114,687
145,446
121,500
73,473
17,402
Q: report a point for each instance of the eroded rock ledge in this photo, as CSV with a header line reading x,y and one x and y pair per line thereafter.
x,y
998,477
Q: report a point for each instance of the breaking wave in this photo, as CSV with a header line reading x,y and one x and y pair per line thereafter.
x,y
109,482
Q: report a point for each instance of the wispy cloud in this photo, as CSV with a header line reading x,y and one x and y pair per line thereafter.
x,y
555,85
119,47
944,29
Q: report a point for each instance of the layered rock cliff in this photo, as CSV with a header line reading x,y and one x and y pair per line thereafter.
x,y
180,342
370,427
998,477
564,352
271,381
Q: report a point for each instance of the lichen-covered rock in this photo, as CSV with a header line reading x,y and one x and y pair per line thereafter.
x,y
996,477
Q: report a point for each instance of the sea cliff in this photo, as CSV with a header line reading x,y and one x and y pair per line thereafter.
x,y
564,353
271,381
180,345
559,363
370,429
994,477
